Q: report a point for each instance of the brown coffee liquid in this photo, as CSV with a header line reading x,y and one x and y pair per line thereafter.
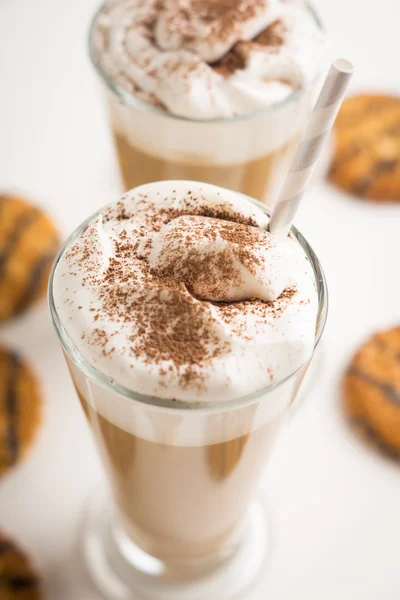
x,y
182,504
251,178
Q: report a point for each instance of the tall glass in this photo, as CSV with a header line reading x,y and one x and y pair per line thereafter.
x,y
183,522
249,153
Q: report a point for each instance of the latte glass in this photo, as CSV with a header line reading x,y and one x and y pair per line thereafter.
x,y
248,153
183,519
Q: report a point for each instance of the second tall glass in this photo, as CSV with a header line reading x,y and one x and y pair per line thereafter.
x,y
249,153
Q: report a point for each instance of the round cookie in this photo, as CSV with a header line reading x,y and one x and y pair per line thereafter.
x,y
372,389
366,159
28,245
20,408
18,580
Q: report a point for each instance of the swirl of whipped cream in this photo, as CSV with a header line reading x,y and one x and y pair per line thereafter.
x,y
210,28
205,59
125,291
220,260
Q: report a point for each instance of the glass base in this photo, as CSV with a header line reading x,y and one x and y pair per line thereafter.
x,y
122,571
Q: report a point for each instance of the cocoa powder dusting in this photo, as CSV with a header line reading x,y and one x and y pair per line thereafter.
x,y
230,63
272,36
179,329
270,39
225,16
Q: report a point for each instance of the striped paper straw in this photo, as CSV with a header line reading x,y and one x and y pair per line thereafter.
x,y
309,150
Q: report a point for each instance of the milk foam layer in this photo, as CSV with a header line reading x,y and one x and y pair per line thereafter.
x,y
128,310
207,59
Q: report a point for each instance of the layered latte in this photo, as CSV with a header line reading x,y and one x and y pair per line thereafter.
x,y
191,327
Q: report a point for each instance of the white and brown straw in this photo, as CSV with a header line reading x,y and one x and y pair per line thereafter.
x,y
309,150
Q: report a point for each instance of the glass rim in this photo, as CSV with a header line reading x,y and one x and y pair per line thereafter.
x,y
133,101
108,383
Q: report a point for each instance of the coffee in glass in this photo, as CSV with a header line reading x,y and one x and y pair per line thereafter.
x,y
187,328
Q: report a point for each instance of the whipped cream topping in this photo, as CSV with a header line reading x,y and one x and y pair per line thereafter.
x,y
177,291
206,59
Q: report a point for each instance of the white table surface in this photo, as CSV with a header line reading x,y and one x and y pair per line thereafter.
x,y
336,505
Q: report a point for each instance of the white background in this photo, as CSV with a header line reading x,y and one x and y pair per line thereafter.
x,y
336,504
